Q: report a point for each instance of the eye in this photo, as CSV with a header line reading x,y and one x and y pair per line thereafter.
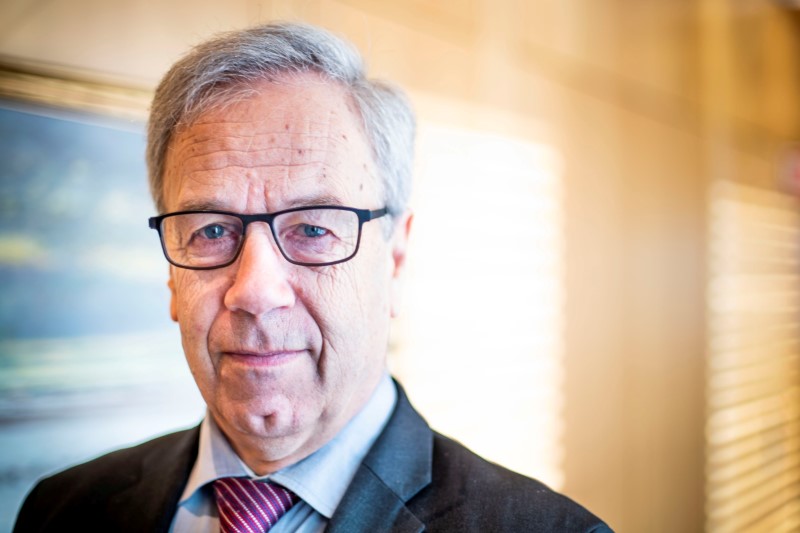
x,y
213,231
314,231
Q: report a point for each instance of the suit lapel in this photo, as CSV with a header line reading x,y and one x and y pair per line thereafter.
x,y
397,467
156,484
370,505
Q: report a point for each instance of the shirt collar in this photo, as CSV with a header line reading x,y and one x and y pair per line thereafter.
x,y
320,479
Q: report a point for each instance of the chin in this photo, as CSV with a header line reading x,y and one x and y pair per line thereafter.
x,y
273,421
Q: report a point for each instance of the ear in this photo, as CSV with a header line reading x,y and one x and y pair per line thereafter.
x,y
173,301
399,246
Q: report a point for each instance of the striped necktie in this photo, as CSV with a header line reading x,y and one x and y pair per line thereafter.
x,y
248,506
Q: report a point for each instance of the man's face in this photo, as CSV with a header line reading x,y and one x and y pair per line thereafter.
x,y
283,355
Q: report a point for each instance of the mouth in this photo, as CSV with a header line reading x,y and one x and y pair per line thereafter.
x,y
265,358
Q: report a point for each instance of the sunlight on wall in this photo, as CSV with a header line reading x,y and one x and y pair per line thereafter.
x,y
479,341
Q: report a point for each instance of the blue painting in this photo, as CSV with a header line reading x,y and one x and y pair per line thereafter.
x,y
89,359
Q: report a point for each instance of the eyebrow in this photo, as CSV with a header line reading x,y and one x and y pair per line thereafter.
x,y
301,201
314,200
201,205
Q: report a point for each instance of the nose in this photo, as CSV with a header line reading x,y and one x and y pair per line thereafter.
x,y
260,276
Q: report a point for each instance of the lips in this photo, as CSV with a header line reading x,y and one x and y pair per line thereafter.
x,y
262,358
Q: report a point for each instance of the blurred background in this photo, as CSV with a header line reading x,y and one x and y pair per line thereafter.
x,y
604,264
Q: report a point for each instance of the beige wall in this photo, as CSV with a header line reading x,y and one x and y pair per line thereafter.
x,y
638,96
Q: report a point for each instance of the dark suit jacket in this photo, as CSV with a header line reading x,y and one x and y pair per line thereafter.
x,y
412,480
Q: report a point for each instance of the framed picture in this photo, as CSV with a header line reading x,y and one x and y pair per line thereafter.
x,y
88,354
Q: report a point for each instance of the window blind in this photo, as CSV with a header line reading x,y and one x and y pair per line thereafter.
x,y
753,380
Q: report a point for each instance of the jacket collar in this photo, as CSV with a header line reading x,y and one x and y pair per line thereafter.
x,y
155,483
397,467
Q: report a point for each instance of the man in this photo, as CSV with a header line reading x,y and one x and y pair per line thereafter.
x,y
282,176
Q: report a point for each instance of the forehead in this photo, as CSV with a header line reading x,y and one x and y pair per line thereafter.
x,y
296,141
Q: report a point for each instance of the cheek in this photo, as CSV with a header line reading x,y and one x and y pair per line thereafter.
x,y
197,303
349,302
328,297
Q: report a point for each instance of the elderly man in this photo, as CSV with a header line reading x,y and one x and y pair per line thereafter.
x,y
282,175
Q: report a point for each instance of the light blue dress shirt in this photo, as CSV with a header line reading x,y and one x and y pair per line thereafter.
x,y
320,480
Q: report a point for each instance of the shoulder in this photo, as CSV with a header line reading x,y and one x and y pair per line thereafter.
x,y
469,493
122,466
114,477
443,486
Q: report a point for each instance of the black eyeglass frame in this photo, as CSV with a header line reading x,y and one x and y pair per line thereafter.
x,y
364,215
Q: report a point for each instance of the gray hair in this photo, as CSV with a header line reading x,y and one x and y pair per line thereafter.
x,y
226,66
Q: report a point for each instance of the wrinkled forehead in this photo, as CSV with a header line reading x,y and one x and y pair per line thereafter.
x,y
301,132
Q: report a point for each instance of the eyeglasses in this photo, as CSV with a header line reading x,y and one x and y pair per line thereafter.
x,y
307,236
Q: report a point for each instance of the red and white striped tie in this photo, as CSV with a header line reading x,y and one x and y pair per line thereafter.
x,y
248,506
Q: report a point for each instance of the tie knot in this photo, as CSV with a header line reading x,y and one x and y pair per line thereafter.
x,y
248,506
